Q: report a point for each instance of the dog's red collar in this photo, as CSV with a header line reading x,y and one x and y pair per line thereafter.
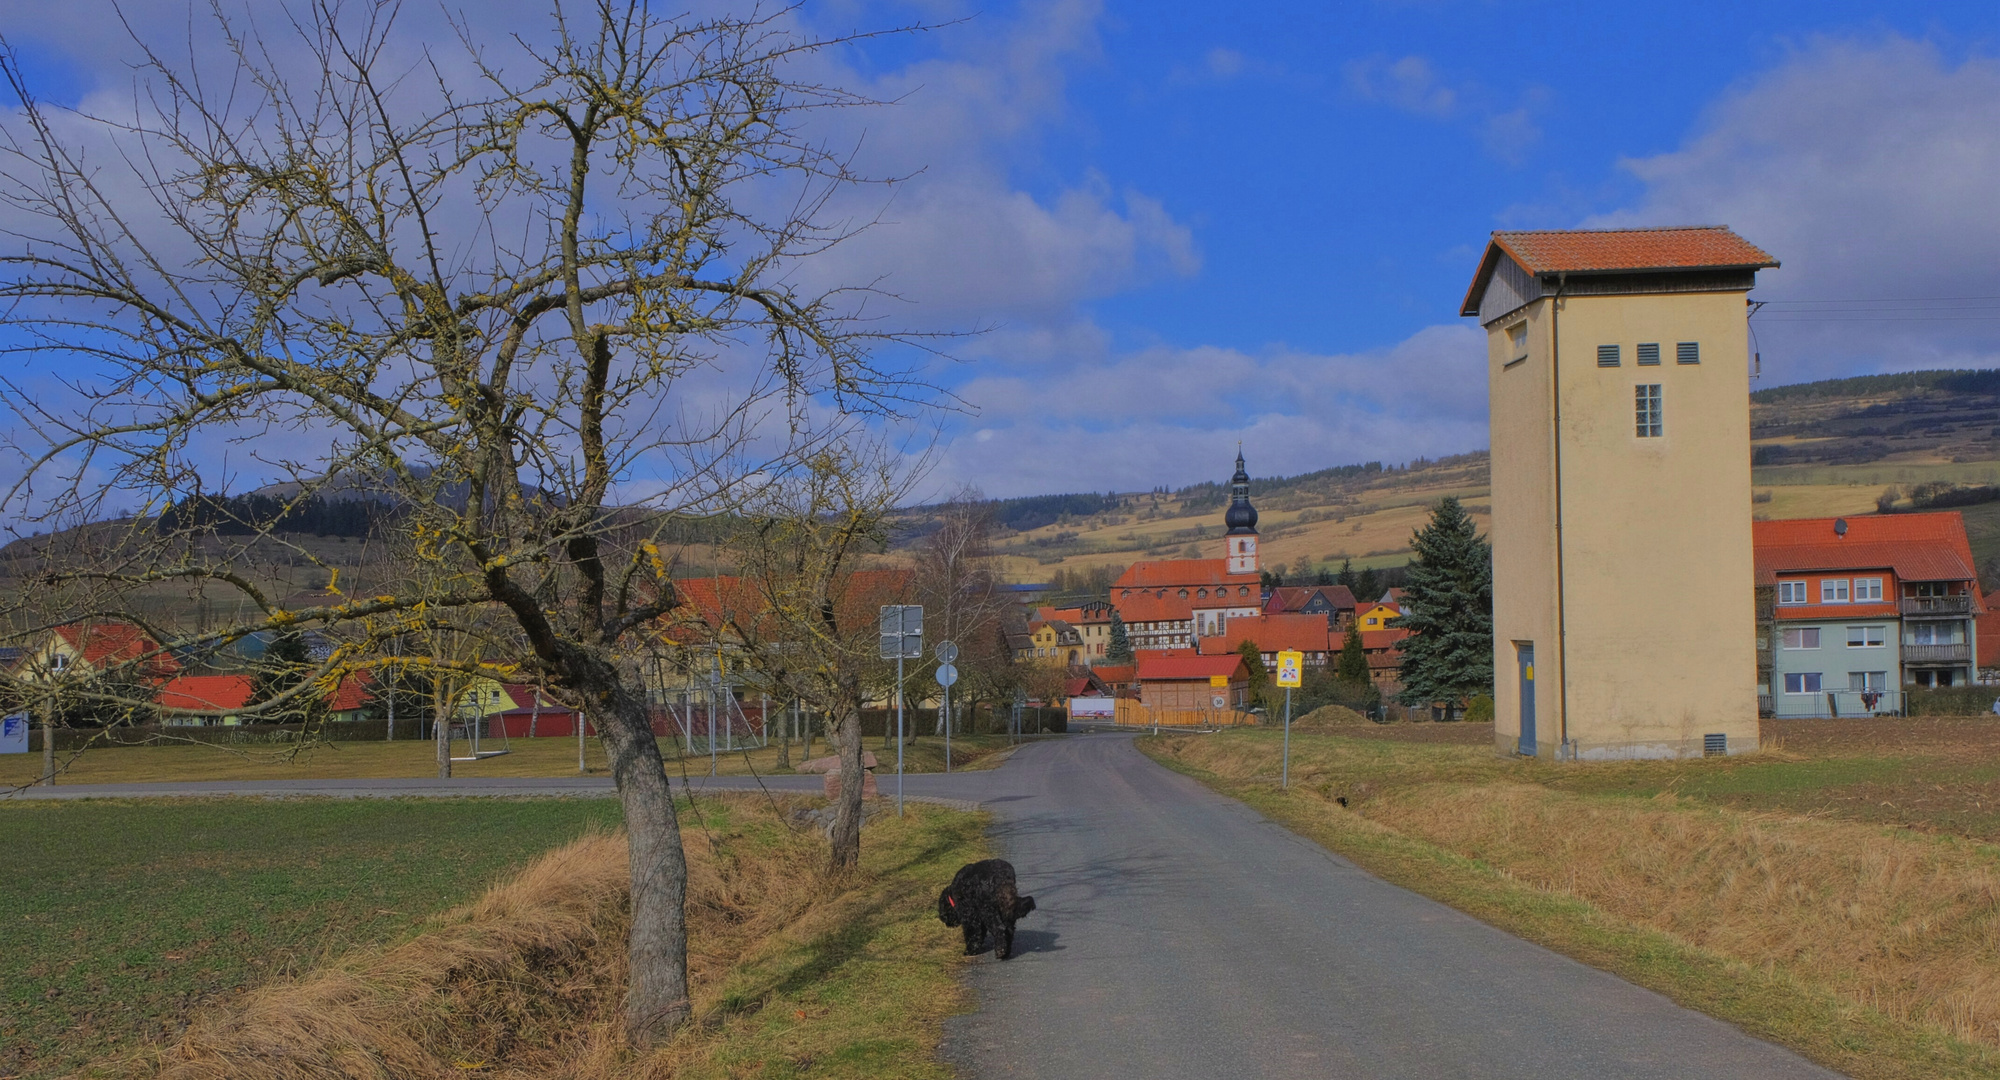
x,y
952,902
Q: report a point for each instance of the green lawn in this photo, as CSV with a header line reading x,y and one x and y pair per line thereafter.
x,y
122,917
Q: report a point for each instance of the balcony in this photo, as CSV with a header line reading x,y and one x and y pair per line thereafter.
x,y
1937,654
1943,607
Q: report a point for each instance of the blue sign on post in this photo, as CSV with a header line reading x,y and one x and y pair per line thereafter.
x,y
14,734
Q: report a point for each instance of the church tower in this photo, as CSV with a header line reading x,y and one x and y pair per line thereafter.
x,y
1242,522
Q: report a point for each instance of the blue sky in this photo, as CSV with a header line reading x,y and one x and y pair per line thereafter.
x,y
1191,224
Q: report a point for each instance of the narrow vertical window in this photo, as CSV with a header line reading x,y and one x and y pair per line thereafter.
x,y
1607,356
1517,337
1646,401
1688,352
1649,354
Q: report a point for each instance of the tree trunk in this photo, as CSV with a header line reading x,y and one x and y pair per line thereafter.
x,y
441,735
656,1000
847,812
784,735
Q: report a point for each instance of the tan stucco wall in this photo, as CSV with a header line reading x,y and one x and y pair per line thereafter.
x,y
1658,603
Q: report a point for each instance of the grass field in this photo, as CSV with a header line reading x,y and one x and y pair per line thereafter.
x,y
256,939
126,917
364,760
1835,893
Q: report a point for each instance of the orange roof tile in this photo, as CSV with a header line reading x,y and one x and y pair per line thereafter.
x,y
1916,547
111,644
1172,573
1371,640
1272,633
1183,667
1587,251
355,691
1146,607
1116,673
205,693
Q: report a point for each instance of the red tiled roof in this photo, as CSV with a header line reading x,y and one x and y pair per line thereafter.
x,y
1586,251
714,602
1372,640
1172,573
1886,609
205,693
355,691
110,644
1145,607
1294,597
1916,547
1272,633
1182,666
1116,673
1987,630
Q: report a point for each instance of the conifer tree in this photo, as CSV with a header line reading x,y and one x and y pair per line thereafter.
x,y
1448,607
1119,651
1346,575
1352,666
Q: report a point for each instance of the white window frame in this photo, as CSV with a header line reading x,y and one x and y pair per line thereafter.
x,y
1818,680
1870,680
1833,590
1785,638
1871,636
1867,588
1798,592
1649,413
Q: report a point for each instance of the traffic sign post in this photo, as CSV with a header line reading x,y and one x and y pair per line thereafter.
x,y
1291,669
902,634
946,652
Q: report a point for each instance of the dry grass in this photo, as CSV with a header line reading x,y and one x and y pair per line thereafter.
x,y
1874,950
1329,716
1906,925
527,981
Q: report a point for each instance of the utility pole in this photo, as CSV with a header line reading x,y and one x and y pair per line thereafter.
x,y
902,637
49,741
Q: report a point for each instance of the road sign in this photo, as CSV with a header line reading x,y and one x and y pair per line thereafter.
x,y
1218,680
946,674
902,632
946,652
1291,666
14,734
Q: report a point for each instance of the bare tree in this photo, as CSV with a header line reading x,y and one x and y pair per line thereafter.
x,y
505,305
961,596
807,617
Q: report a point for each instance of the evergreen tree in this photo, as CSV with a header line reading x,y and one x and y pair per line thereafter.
x,y
1367,587
1352,664
1120,649
287,662
1346,576
1448,606
1262,690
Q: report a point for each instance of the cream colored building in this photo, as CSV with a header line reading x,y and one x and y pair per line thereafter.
x,y
1623,597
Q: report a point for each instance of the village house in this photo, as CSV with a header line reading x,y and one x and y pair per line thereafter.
x,y
1376,615
1303,632
1092,623
1616,362
1169,604
1336,602
1053,641
1854,610
1184,681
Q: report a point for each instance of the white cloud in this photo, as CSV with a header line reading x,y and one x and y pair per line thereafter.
x,y
1173,415
1867,168
1410,83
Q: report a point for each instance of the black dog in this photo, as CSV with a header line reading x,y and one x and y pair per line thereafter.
x,y
983,900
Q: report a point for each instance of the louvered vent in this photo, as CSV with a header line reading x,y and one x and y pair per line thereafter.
x,y
1607,356
1714,745
1688,352
1649,354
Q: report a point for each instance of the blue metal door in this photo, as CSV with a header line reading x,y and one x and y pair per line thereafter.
x,y
1526,652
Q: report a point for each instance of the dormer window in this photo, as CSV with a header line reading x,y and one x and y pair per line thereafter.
x,y
1792,592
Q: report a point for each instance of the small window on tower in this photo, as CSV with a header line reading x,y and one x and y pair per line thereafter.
x,y
1517,339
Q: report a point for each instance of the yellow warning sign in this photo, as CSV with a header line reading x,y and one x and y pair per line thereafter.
x,y
1218,680
1291,667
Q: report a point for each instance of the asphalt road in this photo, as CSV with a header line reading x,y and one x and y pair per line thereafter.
x,y
1180,934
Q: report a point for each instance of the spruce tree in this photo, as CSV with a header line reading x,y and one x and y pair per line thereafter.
x,y
1119,651
1262,690
1346,575
1367,587
1352,665
1448,607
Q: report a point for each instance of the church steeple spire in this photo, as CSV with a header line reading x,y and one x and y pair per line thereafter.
x,y
1241,518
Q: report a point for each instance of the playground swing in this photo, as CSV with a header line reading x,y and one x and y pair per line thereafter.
x,y
471,729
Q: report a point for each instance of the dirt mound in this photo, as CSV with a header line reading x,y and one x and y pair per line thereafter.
x,y
1330,716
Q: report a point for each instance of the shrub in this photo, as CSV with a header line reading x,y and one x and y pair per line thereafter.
x,y
1480,710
